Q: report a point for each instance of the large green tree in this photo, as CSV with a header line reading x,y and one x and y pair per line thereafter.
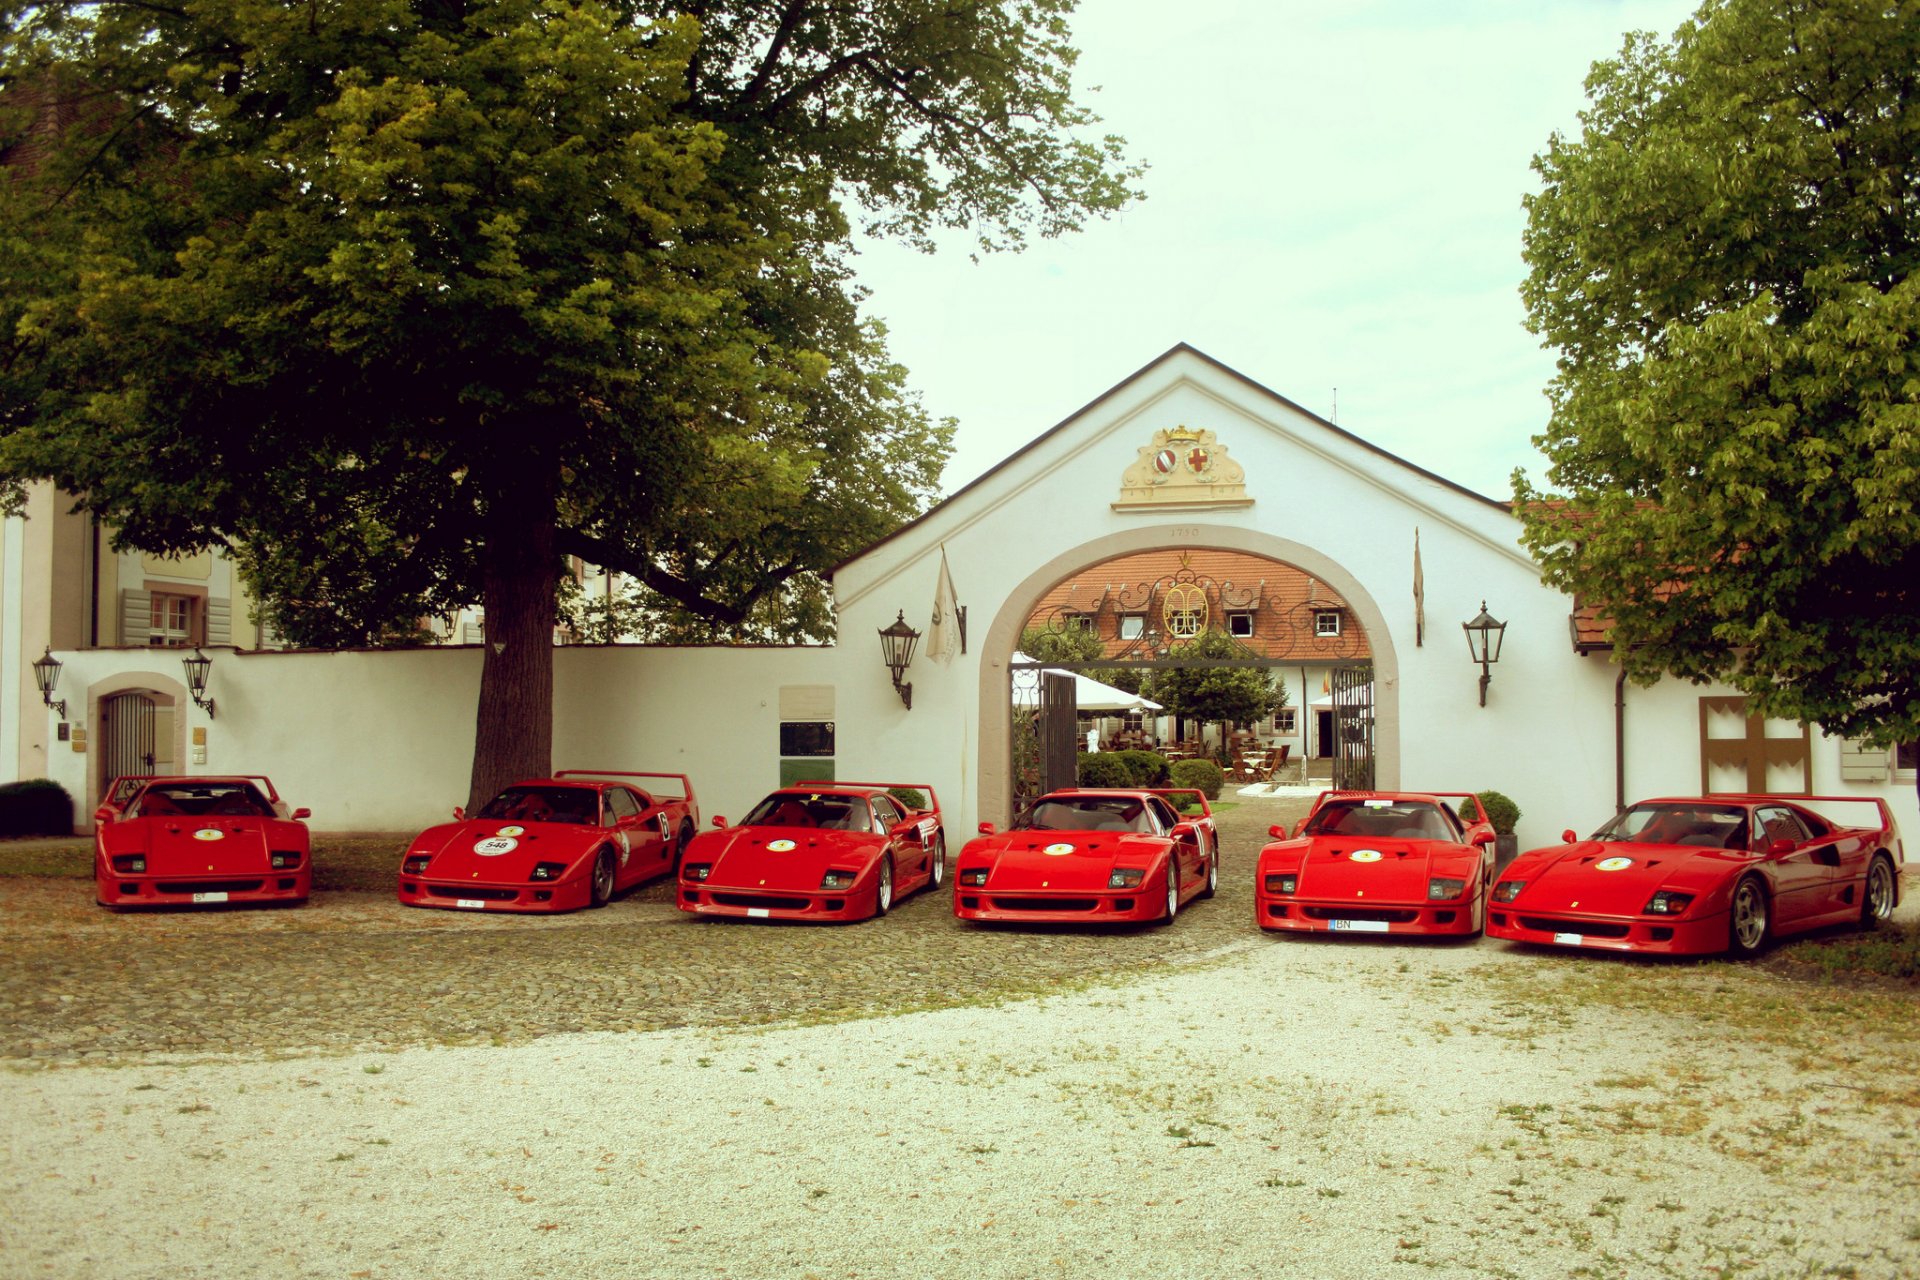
x,y
403,301
1215,694
1724,259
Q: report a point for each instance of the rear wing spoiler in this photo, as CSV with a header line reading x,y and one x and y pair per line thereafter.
x,y
1437,795
121,789
1168,793
933,801
1885,814
686,784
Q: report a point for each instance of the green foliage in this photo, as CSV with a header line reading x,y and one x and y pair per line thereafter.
x,y
1724,259
1890,951
1230,695
37,806
1104,769
1068,646
1145,768
909,797
1203,775
1500,811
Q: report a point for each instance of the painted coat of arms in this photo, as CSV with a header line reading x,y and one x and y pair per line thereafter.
x,y
1183,466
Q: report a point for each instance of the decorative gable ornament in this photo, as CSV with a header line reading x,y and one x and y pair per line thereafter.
x,y
1183,468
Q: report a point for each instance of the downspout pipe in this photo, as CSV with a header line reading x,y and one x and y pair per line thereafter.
x,y
1620,742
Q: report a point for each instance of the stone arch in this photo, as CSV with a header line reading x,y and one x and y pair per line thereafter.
x,y
1003,635
166,692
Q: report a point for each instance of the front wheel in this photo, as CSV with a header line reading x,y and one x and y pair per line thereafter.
x,y
937,862
1747,922
883,891
600,887
1213,873
1877,902
1173,891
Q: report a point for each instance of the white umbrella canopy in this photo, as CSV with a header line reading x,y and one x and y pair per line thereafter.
x,y
1325,701
1088,694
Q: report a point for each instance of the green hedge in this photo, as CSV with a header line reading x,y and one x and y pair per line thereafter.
x,y
36,807
1105,769
1500,811
1146,768
1203,776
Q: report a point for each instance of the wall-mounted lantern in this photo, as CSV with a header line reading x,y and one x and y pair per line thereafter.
x,y
197,667
1484,635
46,674
896,646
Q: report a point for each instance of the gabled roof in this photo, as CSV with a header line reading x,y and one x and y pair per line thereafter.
x,y
1172,353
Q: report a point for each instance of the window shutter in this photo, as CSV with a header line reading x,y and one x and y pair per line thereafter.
x,y
219,620
1861,763
136,617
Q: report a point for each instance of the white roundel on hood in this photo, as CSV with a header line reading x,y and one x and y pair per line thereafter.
x,y
1057,850
210,833
496,846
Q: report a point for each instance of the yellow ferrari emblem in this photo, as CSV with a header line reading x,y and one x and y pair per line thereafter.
x,y
1360,893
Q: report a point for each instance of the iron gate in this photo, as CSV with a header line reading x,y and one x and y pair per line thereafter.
x,y
126,732
1352,691
1046,733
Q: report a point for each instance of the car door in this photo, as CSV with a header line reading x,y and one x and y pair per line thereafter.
x,y
1186,852
637,837
903,837
1800,866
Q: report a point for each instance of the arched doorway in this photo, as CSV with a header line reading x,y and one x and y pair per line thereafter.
x,y
1377,684
137,728
128,735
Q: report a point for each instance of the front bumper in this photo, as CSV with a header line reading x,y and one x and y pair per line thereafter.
x,y
1458,918
469,895
1673,936
266,888
838,906
1101,906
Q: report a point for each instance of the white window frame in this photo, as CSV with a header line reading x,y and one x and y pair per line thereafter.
x,y
1326,622
1133,626
170,620
1286,721
1240,625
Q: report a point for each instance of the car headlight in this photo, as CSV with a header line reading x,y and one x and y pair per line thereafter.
x,y
837,880
280,861
547,870
974,877
1126,877
130,864
1668,903
416,864
1283,884
1439,889
1508,890
696,870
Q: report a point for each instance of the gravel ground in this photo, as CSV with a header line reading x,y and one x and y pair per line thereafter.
x,y
1253,1106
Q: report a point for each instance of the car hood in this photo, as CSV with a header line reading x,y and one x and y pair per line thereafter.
x,y
1357,867
198,846
790,859
1063,861
484,850
1609,878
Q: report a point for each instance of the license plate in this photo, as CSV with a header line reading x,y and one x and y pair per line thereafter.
x,y
1569,939
1357,926
759,913
472,904
209,897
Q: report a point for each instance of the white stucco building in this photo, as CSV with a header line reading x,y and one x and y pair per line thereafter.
x,y
1184,454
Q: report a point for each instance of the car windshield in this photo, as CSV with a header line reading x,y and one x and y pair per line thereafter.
x,y
1382,820
811,809
1708,826
577,806
1087,813
222,800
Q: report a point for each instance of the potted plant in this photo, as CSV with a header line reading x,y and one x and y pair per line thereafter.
x,y
1502,813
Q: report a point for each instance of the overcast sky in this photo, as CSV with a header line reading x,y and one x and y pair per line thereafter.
x,y
1334,201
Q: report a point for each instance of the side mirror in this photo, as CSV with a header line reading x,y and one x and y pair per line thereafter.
x,y
986,828
719,821
104,813
1782,845
1567,837
301,815
459,813
1185,831
1277,831
1482,838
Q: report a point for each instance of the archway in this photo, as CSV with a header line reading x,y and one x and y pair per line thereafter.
x,y
1003,634
137,728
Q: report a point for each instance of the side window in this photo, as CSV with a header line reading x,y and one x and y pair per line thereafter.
x,y
1162,814
887,812
1779,824
621,802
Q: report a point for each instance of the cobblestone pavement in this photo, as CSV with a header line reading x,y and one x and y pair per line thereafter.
x,y
357,970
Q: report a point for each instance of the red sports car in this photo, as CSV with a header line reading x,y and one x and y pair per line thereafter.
x,y
1703,874
825,851
1378,862
1081,856
552,844
198,841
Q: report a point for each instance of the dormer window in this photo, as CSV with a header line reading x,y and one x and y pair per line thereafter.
x,y
1326,622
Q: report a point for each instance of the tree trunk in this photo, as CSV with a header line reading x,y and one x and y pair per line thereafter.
x,y
513,733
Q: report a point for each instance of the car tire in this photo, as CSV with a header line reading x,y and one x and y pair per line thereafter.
x,y
1878,895
937,864
883,889
600,879
1213,875
1748,918
1172,906
680,844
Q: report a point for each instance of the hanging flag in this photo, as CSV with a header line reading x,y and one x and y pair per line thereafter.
x,y
1419,594
947,636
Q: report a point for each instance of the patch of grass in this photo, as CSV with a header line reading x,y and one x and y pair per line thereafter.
x,y
1891,951
61,860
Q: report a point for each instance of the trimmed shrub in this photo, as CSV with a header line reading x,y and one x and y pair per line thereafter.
x,y
1203,776
1500,811
36,807
909,797
1105,769
1148,768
